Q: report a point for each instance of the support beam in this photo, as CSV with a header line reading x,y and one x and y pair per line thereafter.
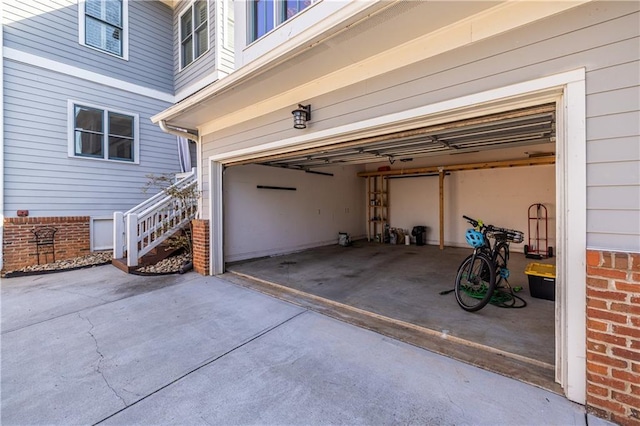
x,y
534,161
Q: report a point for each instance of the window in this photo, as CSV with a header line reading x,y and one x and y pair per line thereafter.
x,y
194,32
104,134
268,14
103,25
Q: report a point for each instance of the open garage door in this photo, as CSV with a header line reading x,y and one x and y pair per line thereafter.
x,y
513,132
282,203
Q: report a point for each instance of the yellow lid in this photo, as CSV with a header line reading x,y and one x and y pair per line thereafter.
x,y
541,270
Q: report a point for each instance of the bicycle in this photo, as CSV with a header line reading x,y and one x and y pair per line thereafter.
x,y
482,272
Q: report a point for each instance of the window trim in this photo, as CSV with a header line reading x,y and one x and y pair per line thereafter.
x,y
279,17
125,30
71,149
190,9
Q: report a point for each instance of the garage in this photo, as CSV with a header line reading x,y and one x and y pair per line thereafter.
x,y
490,166
454,123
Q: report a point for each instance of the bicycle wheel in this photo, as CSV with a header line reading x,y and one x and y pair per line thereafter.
x,y
500,258
475,282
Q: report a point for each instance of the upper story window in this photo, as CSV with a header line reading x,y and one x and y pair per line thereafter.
x,y
194,32
104,134
103,25
265,15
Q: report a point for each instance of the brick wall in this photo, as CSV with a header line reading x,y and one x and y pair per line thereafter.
x,y
613,336
71,239
201,246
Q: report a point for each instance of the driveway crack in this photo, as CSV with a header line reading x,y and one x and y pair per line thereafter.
x,y
98,367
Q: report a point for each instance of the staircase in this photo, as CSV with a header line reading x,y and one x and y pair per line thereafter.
x,y
141,230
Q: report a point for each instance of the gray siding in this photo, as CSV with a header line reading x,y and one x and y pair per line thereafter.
x,y
603,37
202,66
39,175
49,29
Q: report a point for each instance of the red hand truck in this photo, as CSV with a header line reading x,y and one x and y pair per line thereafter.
x,y
538,247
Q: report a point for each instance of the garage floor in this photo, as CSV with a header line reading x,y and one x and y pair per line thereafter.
x,y
403,283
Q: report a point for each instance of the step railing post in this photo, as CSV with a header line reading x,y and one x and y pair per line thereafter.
x,y
132,239
118,235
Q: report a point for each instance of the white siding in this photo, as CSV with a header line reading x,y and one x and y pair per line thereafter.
x,y
39,175
204,65
49,29
603,37
266,221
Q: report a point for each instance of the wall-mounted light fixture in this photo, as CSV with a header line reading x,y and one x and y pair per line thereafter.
x,y
301,116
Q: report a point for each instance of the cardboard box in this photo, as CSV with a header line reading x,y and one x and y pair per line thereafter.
x,y
542,280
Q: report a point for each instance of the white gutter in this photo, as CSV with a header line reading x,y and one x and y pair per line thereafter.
x,y
191,135
282,53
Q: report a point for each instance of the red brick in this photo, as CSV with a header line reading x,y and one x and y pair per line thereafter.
x,y
635,390
597,390
621,261
607,360
626,399
597,282
625,376
596,347
600,369
631,420
607,295
627,286
593,258
611,406
626,308
607,315
605,337
625,353
608,273
606,381
596,303
635,261
626,331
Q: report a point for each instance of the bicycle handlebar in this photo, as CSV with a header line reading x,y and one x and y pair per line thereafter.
x,y
514,235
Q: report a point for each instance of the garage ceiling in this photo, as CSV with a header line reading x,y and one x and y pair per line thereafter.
x,y
529,126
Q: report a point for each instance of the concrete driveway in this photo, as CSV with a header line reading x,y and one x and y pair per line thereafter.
x,y
97,346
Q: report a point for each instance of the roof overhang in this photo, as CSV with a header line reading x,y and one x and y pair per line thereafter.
x,y
336,54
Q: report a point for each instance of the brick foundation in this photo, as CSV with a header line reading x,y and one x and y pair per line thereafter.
x,y
201,246
72,239
613,336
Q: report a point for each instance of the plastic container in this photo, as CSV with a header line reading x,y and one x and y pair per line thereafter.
x,y
420,232
542,280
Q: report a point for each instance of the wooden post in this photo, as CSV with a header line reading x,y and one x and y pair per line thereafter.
x,y
132,239
441,179
118,235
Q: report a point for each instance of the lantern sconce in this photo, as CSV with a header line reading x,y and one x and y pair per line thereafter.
x,y
300,116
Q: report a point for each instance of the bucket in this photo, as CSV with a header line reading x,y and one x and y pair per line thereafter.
x,y
344,239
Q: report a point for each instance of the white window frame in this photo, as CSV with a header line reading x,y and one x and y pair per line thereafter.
x,y
125,30
189,9
277,18
71,149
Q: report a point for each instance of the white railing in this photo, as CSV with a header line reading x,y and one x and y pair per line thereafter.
x,y
147,225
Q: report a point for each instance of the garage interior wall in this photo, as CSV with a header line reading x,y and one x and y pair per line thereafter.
x,y
269,221
500,197
263,222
